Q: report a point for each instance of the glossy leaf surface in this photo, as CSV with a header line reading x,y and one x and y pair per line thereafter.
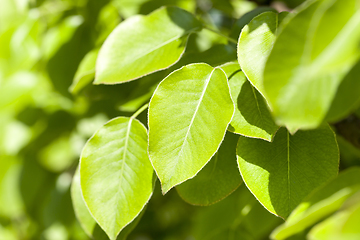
x,y
188,117
310,57
342,225
83,215
116,174
321,203
217,179
282,173
141,45
255,43
252,117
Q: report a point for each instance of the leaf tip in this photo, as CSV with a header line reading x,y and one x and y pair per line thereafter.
x,y
165,189
292,130
112,236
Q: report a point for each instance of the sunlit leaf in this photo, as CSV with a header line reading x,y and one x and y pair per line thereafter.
x,y
282,173
310,57
116,174
342,225
188,117
87,222
85,72
144,44
255,43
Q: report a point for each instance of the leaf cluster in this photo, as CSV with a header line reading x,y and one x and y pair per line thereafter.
x,y
251,113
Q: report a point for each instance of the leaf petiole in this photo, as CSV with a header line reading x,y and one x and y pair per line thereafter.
x,y
220,34
140,110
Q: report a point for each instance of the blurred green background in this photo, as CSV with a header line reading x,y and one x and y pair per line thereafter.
x,y
45,118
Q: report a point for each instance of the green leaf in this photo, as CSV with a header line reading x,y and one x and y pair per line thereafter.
x,y
85,72
255,43
237,215
310,57
351,226
188,117
328,228
219,178
246,18
87,222
342,225
141,45
281,173
321,203
347,97
116,174
252,117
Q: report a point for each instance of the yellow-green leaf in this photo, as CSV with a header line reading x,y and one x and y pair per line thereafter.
x,y
116,174
141,45
188,117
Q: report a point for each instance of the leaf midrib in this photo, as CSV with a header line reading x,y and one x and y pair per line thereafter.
x,y
257,103
191,122
122,169
157,47
153,49
178,36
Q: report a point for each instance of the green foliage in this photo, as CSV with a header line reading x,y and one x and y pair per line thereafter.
x,y
342,225
323,202
309,60
237,92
